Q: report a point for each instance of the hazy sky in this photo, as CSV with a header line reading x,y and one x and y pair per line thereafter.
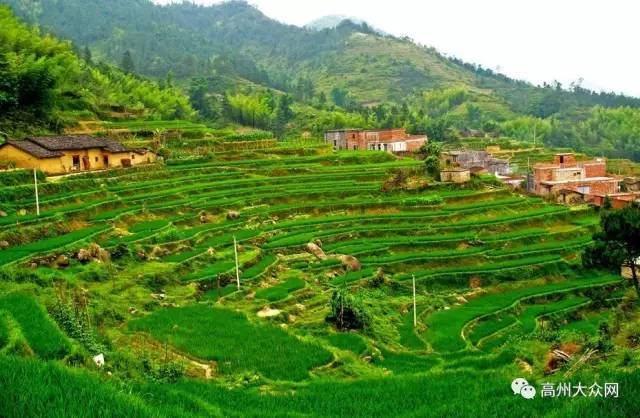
x,y
535,40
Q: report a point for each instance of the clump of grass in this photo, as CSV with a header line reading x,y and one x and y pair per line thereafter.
x,y
40,332
280,291
236,344
348,341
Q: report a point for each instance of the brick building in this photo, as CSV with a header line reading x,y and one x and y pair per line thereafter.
x,y
618,200
565,173
390,140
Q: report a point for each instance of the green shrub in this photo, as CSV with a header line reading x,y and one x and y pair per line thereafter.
x,y
75,324
94,272
18,177
348,311
170,372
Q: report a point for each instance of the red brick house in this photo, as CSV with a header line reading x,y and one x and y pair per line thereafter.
x,y
390,140
565,173
618,200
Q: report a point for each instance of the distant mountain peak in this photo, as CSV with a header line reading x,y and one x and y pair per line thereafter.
x,y
333,21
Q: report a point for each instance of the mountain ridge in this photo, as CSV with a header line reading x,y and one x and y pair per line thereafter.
x,y
186,38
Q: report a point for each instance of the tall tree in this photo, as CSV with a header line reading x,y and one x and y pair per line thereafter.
x,y
86,55
618,242
127,64
283,115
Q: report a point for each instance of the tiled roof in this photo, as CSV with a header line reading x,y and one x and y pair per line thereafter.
x,y
51,146
66,143
34,149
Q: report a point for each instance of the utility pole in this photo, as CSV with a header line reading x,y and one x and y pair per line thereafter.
x,y
235,251
35,182
415,313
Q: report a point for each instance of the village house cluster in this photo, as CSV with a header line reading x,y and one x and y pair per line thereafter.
x,y
68,154
565,180
390,140
572,182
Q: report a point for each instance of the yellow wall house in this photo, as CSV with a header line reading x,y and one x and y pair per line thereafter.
x,y
68,154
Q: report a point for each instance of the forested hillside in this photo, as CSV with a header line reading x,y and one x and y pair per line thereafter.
x,y
232,60
191,40
45,85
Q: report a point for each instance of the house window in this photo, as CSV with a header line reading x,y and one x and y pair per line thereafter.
x,y
96,159
133,157
335,142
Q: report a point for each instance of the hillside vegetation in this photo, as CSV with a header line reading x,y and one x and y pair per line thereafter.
x,y
349,75
46,86
254,270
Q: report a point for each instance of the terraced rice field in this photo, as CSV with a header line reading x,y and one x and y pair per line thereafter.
x,y
488,263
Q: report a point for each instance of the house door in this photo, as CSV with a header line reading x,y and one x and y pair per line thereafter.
x,y
105,161
86,163
75,165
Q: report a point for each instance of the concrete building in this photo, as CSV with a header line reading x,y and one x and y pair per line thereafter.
x,y
455,175
565,173
632,184
471,159
390,140
68,154
515,182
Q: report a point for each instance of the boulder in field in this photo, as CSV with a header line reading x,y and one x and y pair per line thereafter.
x,y
4,245
62,261
350,263
99,360
233,215
3,214
104,256
158,252
316,251
267,312
84,255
